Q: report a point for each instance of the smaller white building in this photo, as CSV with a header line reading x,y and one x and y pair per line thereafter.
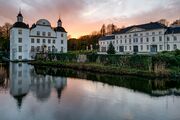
x,y
25,42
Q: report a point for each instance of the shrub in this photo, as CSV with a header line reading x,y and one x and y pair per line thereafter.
x,y
111,49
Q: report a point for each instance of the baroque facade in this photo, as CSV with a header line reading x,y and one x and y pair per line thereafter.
x,y
26,41
143,39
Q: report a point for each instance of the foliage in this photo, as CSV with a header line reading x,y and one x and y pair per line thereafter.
x,y
111,49
4,37
87,42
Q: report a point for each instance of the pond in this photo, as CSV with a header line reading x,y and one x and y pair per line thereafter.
x,y
43,93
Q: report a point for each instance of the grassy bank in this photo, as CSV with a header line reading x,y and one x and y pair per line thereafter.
x,y
100,68
165,64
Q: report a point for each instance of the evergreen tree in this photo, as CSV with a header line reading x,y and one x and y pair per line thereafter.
x,y
111,49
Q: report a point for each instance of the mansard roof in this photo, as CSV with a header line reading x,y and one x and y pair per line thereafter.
x,y
20,25
148,26
108,37
59,29
173,30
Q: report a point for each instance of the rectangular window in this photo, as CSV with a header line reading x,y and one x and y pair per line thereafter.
x,y
125,41
49,34
20,40
54,41
168,39
137,40
62,42
147,47
175,46
38,40
153,39
32,40
125,47
62,35
160,38
134,40
130,48
38,48
116,41
61,49
20,49
44,33
175,38
160,47
141,47
147,39
19,73
141,40
130,41
44,40
49,41
32,49
20,32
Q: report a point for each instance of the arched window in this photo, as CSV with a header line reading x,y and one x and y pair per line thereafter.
x,y
168,47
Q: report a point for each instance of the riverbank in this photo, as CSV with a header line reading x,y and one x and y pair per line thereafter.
x,y
100,68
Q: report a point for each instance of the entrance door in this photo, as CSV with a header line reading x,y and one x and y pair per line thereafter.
x,y
153,48
135,49
121,48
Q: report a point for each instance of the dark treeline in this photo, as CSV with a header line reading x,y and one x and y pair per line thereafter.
x,y
4,37
90,42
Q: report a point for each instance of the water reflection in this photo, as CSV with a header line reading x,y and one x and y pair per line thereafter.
x,y
24,79
153,87
43,93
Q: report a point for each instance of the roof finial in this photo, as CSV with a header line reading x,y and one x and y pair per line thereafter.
x,y
20,10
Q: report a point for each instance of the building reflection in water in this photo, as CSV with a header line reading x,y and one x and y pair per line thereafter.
x,y
23,79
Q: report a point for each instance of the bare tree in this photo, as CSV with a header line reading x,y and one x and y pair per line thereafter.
x,y
103,30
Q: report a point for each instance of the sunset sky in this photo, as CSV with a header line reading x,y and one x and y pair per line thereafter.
x,y
81,17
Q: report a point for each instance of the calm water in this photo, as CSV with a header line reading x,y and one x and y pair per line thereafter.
x,y
30,93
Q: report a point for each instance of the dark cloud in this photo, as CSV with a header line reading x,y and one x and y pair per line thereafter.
x,y
78,15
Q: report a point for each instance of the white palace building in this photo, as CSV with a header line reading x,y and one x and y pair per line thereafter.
x,y
26,41
142,39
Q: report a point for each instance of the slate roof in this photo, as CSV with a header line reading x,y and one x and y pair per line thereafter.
x,y
173,30
59,29
148,26
112,37
20,25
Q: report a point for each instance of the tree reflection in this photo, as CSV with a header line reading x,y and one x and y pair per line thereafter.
x,y
153,87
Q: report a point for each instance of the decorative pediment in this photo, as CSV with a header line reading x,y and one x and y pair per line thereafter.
x,y
135,29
